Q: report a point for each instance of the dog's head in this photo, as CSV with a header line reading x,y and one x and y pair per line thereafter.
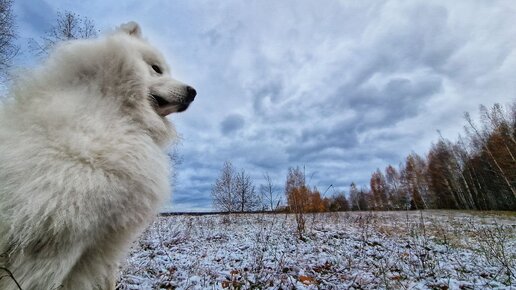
x,y
166,94
119,78
134,74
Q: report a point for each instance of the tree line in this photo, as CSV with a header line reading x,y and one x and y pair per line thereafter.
x,y
476,172
233,191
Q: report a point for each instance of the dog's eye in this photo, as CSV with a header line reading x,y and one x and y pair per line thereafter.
x,y
157,69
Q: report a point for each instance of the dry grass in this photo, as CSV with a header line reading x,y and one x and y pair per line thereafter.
x,y
357,250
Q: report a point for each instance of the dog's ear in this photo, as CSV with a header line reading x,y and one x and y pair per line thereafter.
x,y
132,28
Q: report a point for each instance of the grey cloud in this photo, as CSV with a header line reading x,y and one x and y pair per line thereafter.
x,y
398,99
421,35
232,123
314,140
269,92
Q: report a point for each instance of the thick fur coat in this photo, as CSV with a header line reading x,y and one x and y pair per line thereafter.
x,y
83,167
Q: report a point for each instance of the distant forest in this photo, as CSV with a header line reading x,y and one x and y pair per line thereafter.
x,y
477,172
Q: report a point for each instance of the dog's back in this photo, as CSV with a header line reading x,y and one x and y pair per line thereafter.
x,y
72,196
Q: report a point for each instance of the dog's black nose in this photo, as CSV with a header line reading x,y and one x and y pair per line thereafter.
x,y
191,93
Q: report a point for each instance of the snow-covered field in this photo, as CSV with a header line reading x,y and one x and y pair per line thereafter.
x,y
351,250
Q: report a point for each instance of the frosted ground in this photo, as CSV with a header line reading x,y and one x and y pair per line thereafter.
x,y
357,250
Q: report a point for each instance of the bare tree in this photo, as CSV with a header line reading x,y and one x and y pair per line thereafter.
x,y
269,192
69,26
223,191
233,191
246,198
8,49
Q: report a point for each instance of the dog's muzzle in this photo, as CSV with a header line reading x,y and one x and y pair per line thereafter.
x,y
165,107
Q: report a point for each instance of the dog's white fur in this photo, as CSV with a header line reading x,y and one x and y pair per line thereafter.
x,y
83,167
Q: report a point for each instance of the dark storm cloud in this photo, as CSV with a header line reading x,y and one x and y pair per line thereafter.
x,y
397,99
314,140
232,123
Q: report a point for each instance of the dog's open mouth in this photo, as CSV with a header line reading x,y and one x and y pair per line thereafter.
x,y
164,107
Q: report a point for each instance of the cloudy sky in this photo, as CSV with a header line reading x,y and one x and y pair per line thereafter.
x,y
341,87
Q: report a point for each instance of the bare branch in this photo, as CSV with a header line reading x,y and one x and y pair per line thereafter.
x,y
8,50
68,26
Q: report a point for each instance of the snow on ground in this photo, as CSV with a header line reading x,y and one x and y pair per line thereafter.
x,y
350,250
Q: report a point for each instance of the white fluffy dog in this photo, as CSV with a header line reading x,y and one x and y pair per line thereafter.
x,y
83,167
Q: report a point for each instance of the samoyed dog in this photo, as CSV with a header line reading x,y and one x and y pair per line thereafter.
x,y
83,167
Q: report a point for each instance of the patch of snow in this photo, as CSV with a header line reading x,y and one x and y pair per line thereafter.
x,y
356,250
